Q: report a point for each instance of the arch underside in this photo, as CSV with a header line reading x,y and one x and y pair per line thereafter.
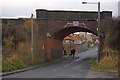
x,y
62,33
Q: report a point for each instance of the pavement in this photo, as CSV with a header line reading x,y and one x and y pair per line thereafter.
x,y
67,67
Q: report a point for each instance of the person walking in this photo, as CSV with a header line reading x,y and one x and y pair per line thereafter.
x,y
64,52
73,53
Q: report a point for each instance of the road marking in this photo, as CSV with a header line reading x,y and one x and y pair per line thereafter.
x,y
72,63
57,69
89,70
60,67
77,59
66,65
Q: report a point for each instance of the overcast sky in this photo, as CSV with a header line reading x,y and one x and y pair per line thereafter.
x,y
24,8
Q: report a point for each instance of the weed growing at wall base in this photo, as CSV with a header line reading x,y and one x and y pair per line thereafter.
x,y
16,65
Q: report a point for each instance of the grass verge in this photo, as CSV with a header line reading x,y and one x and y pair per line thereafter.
x,y
106,67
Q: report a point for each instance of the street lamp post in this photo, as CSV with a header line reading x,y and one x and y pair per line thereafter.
x,y
32,39
98,30
98,58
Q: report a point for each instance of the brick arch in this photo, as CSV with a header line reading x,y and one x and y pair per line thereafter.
x,y
62,33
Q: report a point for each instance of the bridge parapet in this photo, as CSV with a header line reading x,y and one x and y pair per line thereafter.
x,y
71,15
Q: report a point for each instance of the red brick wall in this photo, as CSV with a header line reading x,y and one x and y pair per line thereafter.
x,y
53,48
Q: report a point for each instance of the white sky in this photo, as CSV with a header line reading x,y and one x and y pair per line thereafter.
x,y
24,8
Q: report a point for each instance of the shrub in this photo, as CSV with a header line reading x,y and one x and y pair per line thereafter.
x,y
20,64
7,67
90,43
